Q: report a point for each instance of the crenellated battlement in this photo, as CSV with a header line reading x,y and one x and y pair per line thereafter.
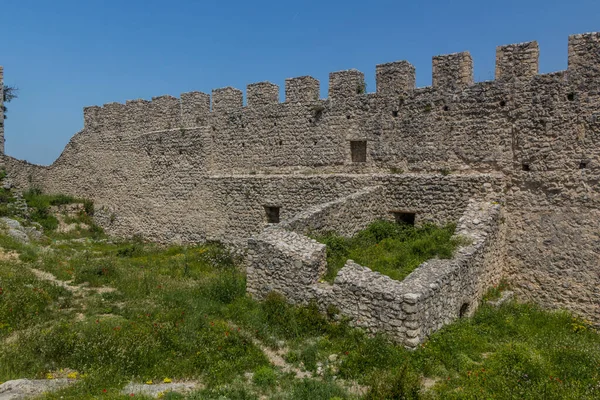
x,y
584,55
395,77
207,167
227,99
517,61
1,110
195,107
304,89
344,85
262,94
451,74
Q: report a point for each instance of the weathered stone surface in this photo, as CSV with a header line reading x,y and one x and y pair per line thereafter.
x,y
506,296
29,388
15,230
173,170
159,389
1,110
433,295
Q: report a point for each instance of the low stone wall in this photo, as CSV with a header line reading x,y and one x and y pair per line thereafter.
x,y
345,216
284,262
435,294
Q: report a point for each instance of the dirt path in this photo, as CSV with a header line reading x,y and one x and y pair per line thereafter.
x,y
77,289
276,358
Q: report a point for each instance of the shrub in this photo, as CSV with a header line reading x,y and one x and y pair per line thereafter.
x,y
5,211
275,309
95,272
216,255
264,377
401,383
40,204
309,389
226,286
6,196
61,199
88,207
96,230
134,249
290,321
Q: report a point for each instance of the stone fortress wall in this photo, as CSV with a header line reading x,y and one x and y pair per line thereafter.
x,y
207,167
1,110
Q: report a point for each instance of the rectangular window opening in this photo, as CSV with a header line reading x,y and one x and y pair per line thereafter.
x,y
404,217
358,148
272,214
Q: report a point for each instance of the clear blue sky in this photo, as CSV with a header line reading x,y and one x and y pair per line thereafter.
x,y
64,55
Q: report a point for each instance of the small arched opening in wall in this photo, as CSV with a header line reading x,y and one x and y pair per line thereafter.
x,y
404,217
464,310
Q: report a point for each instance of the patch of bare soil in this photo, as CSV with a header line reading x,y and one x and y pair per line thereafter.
x,y
428,383
8,255
75,289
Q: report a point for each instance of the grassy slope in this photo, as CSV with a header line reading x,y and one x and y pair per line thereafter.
x,y
182,313
393,249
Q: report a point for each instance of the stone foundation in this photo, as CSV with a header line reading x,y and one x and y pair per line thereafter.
x,y
282,259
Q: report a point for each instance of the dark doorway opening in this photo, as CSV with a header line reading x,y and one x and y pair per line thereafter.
x,y
272,214
404,217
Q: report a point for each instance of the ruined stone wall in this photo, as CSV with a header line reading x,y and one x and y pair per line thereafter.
x,y
431,198
435,294
1,110
455,125
205,166
345,216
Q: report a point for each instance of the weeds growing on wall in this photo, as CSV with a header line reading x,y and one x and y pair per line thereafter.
x,y
393,249
40,205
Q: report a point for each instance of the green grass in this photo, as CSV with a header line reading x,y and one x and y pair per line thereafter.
x,y
518,351
182,312
40,204
392,249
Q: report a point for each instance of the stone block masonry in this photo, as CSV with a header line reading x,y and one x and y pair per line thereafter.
x,y
1,110
206,167
435,294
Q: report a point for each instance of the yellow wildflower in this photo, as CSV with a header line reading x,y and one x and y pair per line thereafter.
x,y
49,376
167,380
73,375
149,382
